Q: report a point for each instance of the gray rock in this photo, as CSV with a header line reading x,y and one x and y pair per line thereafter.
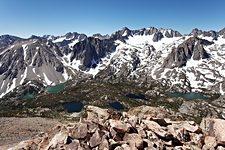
x,y
6,40
191,47
196,32
157,36
172,33
92,50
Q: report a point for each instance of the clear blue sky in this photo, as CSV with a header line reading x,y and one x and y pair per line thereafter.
x,y
39,17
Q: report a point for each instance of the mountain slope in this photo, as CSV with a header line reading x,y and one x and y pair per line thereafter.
x,y
193,62
32,59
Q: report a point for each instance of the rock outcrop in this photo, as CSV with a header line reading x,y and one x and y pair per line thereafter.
x,y
6,40
91,50
124,33
196,32
127,131
157,37
191,48
222,32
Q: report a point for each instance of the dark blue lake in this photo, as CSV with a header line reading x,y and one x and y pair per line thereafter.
x,y
188,96
73,107
136,96
117,105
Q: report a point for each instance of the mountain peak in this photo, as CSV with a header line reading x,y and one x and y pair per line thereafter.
x,y
6,40
197,32
100,36
75,52
222,32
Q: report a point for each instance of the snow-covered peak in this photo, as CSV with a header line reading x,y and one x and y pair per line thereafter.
x,y
137,55
200,33
102,37
71,36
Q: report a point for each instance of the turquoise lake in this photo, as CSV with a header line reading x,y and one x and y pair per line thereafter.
x,y
56,89
188,96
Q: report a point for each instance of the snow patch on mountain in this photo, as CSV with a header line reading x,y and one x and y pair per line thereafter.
x,y
46,79
59,40
139,40
25,47
10,87
73,43
65,75
24,75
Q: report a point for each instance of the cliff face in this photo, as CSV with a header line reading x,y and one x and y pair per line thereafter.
x,y
191,48
143,127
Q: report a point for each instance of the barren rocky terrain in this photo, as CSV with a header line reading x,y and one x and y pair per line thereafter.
x,y
14,130
144,127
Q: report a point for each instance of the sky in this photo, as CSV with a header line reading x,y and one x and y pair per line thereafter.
x,y
56,17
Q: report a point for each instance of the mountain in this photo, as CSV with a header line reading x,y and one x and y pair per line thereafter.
x,y
190,62
191,48
31,59
6,40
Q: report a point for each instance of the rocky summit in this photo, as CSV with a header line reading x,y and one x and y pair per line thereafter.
x,y
145,127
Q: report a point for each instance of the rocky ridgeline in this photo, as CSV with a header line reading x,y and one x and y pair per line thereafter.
x,y
149,128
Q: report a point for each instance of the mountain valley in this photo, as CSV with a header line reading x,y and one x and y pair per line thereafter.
x,y
101,69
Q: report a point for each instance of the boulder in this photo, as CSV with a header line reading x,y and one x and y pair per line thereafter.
x,y
157,129
180,134
119,126
215,128
150,145
29,144
97,114
197,139
133,120
210,142
104,145
141,131
95,139
79,131
59,139
92,127
75,144
146,132
134,139
187,125
115,136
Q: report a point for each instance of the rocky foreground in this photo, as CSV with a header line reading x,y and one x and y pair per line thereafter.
x,y
145,127
14,130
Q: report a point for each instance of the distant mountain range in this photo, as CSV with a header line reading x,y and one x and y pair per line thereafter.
x,y
190,62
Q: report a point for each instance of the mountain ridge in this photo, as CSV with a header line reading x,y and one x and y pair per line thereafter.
x,y
128,54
